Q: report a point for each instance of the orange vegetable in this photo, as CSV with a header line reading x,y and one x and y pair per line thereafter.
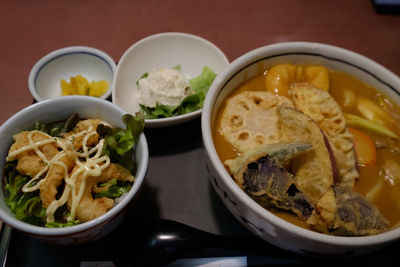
x,y
365,148
279,78
317,76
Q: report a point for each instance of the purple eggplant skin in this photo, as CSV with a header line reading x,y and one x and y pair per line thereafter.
x,y
355,215
266,177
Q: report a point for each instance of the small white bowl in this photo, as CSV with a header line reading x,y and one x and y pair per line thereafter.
x,y
54,110
45,76
163,50
254,217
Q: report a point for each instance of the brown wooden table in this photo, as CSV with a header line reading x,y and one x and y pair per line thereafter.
x,y
31,29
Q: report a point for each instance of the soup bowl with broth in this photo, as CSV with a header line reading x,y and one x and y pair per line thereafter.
x,y
302,146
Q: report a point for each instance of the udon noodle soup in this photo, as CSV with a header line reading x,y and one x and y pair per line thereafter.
x,y
315,146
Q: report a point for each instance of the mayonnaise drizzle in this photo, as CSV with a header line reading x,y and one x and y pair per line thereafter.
x,y
89,163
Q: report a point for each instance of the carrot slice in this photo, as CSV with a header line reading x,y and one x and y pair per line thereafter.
x,y
365,148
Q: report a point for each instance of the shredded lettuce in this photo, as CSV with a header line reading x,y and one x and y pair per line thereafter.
x,y
199,85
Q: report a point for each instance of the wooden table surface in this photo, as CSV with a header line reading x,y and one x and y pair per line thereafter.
x,y
31,29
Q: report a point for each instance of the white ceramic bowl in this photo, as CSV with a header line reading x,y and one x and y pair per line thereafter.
x,y
60,109
45,76
163,50
255,218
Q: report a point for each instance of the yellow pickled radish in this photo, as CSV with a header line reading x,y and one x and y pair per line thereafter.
x,y
79,85
98,88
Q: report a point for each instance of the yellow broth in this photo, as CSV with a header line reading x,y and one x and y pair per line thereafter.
x,y
386,197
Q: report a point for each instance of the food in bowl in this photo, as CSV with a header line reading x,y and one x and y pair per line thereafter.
x,y
166,92
79,85
315,146
66,173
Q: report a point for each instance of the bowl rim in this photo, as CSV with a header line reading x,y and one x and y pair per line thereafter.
x,y
65,51
85,226
170,121
252,57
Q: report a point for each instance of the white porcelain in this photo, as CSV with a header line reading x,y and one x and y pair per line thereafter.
x,y
45,76
163,50
60,109
255,218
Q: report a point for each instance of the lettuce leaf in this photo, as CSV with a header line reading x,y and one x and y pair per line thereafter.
x,y
27,207
119,143
61,224
115,189
199,85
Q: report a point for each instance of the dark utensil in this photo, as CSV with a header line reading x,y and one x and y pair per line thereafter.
x,y
166,241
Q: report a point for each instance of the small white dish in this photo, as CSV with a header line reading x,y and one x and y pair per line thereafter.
x,y
163,50
46,74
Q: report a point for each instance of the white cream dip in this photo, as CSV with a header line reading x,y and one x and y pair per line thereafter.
x,y
163,86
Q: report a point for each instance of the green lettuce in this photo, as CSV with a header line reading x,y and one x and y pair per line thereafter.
x,y
119,143
27,207
199,86
61,224
114,189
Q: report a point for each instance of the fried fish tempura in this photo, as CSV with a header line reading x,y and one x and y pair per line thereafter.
x,y
90,208
29,163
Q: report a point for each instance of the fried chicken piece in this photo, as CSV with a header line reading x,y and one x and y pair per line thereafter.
x,y
55,177
29,163
83,127
90,208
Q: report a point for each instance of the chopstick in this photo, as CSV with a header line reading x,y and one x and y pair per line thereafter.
x,y
4,242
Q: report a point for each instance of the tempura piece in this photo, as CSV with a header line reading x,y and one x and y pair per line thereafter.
x,y
281,152
341,211
266,176
249,119
315,170
324,110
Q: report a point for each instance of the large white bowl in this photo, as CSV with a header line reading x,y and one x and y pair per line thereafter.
x,y
163,50
54,110
255,218
45,76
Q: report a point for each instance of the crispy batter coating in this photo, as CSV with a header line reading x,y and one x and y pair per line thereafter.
x,y
322,108
55,177
29,163
81,127
249,119
90,208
